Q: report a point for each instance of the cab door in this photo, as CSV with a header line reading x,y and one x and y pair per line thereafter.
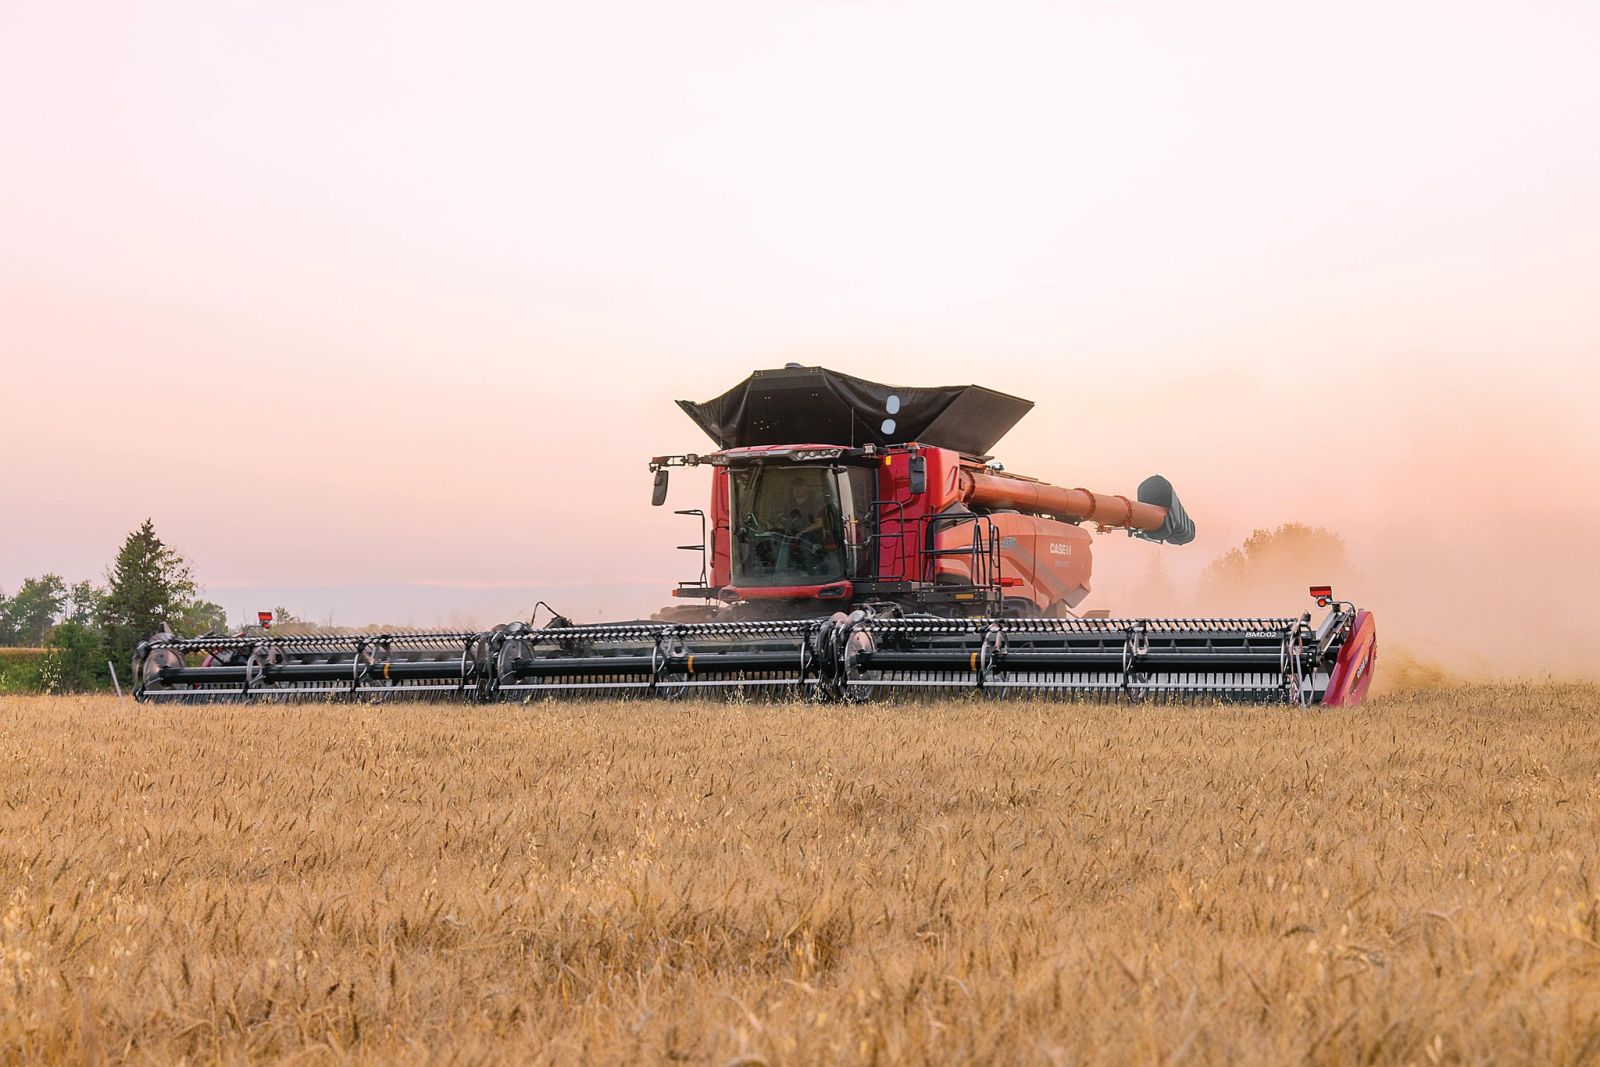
x,y
857,489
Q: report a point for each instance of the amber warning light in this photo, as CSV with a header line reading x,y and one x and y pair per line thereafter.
x,y
1323,595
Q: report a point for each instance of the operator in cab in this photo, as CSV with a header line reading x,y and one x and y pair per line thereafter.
x,y
804,523
789,530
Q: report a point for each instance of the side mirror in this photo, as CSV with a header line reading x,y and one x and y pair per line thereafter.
x,y
919,474
658,493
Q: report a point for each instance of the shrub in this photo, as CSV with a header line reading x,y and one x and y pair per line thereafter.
x,y
28,670
81,659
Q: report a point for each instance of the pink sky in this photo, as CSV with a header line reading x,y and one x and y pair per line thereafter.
x,y
362,293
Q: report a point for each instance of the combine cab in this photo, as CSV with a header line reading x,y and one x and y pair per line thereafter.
x,y
887,553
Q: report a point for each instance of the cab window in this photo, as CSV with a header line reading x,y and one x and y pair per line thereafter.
x,y
786,526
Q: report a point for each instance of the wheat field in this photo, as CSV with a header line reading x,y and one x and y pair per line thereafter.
x,y
1412,881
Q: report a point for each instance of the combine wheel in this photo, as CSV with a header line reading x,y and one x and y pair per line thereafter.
x,y
989,653
1135,684
512,648
261,658
377,656
667,649
813,660
361,666
824,643
855,681
1291,665
1020,607
149,675
481,656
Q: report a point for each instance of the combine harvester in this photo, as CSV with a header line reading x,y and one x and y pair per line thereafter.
x,y
860,540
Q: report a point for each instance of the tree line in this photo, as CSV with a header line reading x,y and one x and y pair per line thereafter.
x,y
83,626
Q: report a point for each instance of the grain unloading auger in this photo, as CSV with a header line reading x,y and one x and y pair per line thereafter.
x,y
884,553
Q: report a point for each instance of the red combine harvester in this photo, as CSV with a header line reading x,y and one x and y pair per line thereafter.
x,y
894,501
888,552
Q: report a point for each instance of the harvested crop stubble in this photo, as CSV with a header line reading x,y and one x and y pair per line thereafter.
x,y
1410,881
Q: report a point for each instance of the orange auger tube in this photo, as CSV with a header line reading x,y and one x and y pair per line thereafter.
x,y
1068,505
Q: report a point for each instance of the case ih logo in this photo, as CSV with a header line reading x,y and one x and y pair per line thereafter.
x,y
1059,549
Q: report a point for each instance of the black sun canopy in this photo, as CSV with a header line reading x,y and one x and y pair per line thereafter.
x,y
814,405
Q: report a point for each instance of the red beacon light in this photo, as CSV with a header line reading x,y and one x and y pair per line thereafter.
x,y
1323,595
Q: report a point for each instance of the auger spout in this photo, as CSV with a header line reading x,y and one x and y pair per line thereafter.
x,y
1155,513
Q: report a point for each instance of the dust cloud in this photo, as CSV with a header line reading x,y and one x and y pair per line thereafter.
x,y
1446,616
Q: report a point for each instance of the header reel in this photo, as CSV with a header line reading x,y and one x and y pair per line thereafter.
x,y
855,656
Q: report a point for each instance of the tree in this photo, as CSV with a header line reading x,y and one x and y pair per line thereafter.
x,y
80,658
1155,594
85,600
202,617
1272,567
26,617
149,586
